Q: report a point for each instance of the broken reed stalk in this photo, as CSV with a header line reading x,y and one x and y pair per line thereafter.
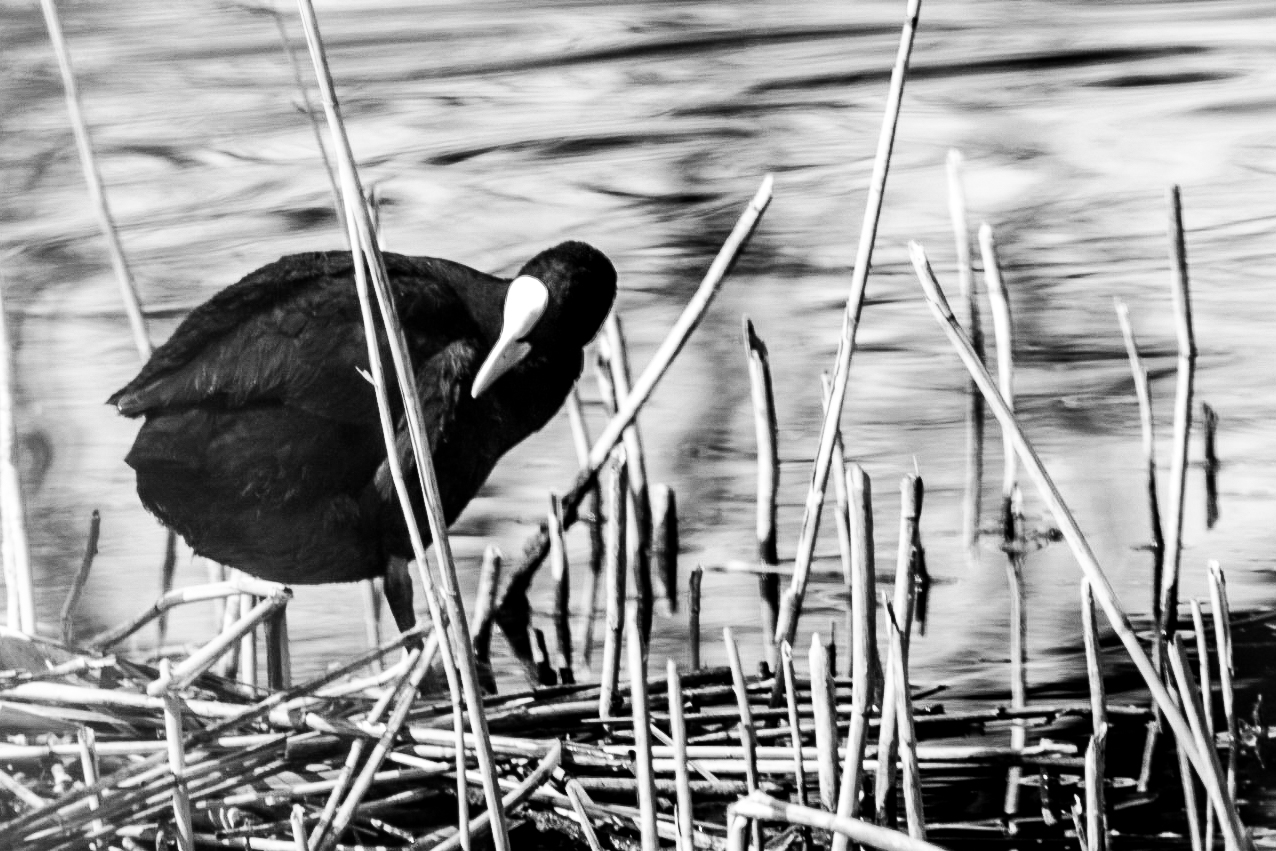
x,y
1234,834
638,701
177,763
795,727
485,604
515,611
17,558
863,602
81,577
766,431
1210,421
824,706
617,526
297,823
562,584
693,613
578,799
1222,617
1096,811
905,586
203,658
1143,392
278,657
664,542
1207,697
1095,806
972,503
762,807
370,594
842,513
787,628
454,639
906,732
748,733
1013,533
86,740
1182,423
639,489
594,510
678,728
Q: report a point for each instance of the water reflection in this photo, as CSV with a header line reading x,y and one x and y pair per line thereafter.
x,y
643,128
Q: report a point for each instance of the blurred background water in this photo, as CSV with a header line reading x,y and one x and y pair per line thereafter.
x,y
493,130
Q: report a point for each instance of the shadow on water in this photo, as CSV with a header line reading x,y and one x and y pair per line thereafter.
x,y
643,128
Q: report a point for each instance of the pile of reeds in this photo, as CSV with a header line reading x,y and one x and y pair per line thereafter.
x,y
211,748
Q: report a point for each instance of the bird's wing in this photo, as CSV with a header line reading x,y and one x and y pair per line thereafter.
x,y
289,333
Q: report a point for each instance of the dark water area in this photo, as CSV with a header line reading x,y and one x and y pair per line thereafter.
x,y
493,130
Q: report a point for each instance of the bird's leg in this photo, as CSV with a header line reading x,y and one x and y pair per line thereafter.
x,y
398,594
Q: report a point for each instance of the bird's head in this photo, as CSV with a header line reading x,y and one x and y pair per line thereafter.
x,y
558,301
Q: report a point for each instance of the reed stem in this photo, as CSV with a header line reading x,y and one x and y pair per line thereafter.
x,y
972,502
638,701
562,583
824,703
678,727
1223,642
617,524
1183,395
787,628
81,577
693,614
765,429
1105,595
748,733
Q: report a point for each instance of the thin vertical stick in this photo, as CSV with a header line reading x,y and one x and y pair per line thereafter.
x,y
562,583
904,600
278,656
1191,807
863,647
682,775
177,764
1223,642
640,506
458,658
485,604
748,734
765,429
642,729
297,822
81,577
1236,836
1095,806
1143,392
1182,422
693,614
593,508
842,514
1011,503
1207,697
17,559
128,291
248,645
1210,419
664,542
972,504
795,729
370,594
787,628
1194,709
904,720
826,733
617,523
87,741
1093,661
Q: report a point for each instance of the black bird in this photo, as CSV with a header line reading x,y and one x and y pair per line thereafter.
x,y
262,446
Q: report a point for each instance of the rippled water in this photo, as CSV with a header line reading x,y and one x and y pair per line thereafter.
x,y
494,130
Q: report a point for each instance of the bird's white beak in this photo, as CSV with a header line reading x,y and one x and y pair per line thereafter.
x,y
525,303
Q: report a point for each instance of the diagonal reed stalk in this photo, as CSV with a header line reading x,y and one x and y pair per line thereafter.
x,y
1234,833
787,628
17,558
454,638
514,610
972,501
